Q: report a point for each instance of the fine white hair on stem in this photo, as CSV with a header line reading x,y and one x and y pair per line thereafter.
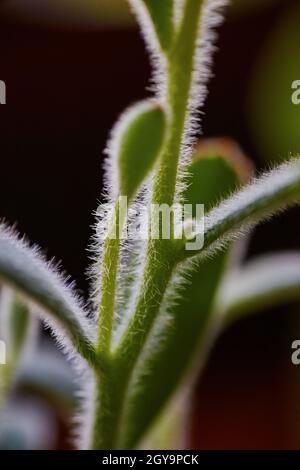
x,y
84,418
95,250
158,61
131,260
211,18
178,10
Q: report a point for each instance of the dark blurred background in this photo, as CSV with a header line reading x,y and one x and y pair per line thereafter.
x,y
70,69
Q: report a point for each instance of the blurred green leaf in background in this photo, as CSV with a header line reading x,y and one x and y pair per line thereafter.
x,y
273,118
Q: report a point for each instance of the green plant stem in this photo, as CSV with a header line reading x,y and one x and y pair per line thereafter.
x,y
180,76
113,381
108,407
160,255
110,265
107,379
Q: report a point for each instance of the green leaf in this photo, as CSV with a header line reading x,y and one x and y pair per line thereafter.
x,y
19,324
15,324
262,283
136,144
18,331
171,352
25,270
162,16
274,118
264,197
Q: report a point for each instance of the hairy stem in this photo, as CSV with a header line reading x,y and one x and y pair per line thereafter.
x,y
160,255
180,77
109,392
110,265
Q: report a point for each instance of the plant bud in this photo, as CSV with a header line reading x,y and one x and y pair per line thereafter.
x,y
136,145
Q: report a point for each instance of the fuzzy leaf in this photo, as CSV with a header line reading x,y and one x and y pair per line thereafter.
x,y
25,270
262,283
136,144
261,199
